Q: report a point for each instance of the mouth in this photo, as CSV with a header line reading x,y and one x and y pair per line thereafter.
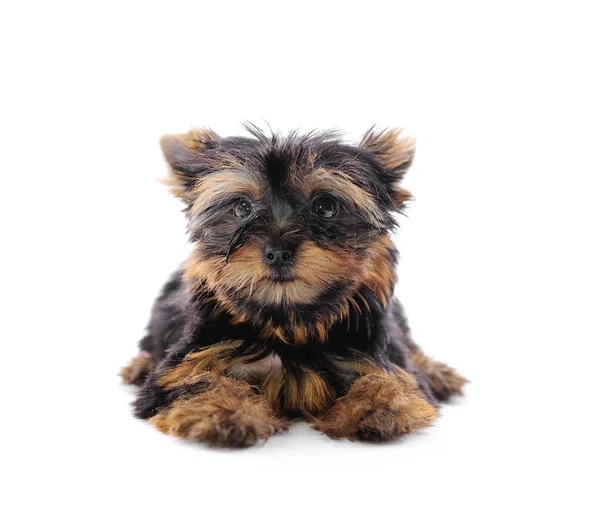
x,y
281,276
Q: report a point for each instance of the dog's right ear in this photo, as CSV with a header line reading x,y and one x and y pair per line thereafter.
x,y
185,155
395,153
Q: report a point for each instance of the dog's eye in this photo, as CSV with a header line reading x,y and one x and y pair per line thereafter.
x,y
324,206
242,209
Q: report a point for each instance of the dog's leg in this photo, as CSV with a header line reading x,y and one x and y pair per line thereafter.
x,y
189,397
163,331
136,371
230,414
443,380
378,407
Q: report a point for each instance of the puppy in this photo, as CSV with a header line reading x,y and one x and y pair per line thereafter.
x,y
285,307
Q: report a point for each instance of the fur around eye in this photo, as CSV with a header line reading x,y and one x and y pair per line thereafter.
x,y
242,209
324,206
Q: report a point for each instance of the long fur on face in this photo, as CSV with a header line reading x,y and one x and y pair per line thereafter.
x,y
334,259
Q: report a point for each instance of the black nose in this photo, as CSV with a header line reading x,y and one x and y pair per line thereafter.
x,y
277,257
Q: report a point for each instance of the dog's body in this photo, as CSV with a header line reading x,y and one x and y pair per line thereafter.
x,y
286,307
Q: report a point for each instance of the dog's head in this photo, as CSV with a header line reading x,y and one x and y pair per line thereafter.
x,y
288,230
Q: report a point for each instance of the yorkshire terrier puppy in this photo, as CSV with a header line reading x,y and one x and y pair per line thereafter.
x,y
285,308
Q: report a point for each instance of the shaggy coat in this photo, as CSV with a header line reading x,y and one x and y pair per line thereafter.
x,y
286,306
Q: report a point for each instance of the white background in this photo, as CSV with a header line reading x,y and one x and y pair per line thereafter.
x,y
499,269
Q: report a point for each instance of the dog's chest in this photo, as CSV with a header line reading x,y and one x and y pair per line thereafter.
x,y
300,390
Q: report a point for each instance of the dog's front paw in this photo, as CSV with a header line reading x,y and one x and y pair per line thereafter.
x,y
378,407
225,417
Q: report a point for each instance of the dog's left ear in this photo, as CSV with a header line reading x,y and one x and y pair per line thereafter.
x,y
395,154
185,154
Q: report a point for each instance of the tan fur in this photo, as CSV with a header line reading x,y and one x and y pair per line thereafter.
x,y
392,150
379,272
306,392
395,153
378,407
224,161
400,194
315,270
231,414
194,143
359,368
137,369
215,358
443,380
244,269
216,186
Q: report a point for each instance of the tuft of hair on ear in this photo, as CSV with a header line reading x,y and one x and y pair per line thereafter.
x,y
395,153
184,153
